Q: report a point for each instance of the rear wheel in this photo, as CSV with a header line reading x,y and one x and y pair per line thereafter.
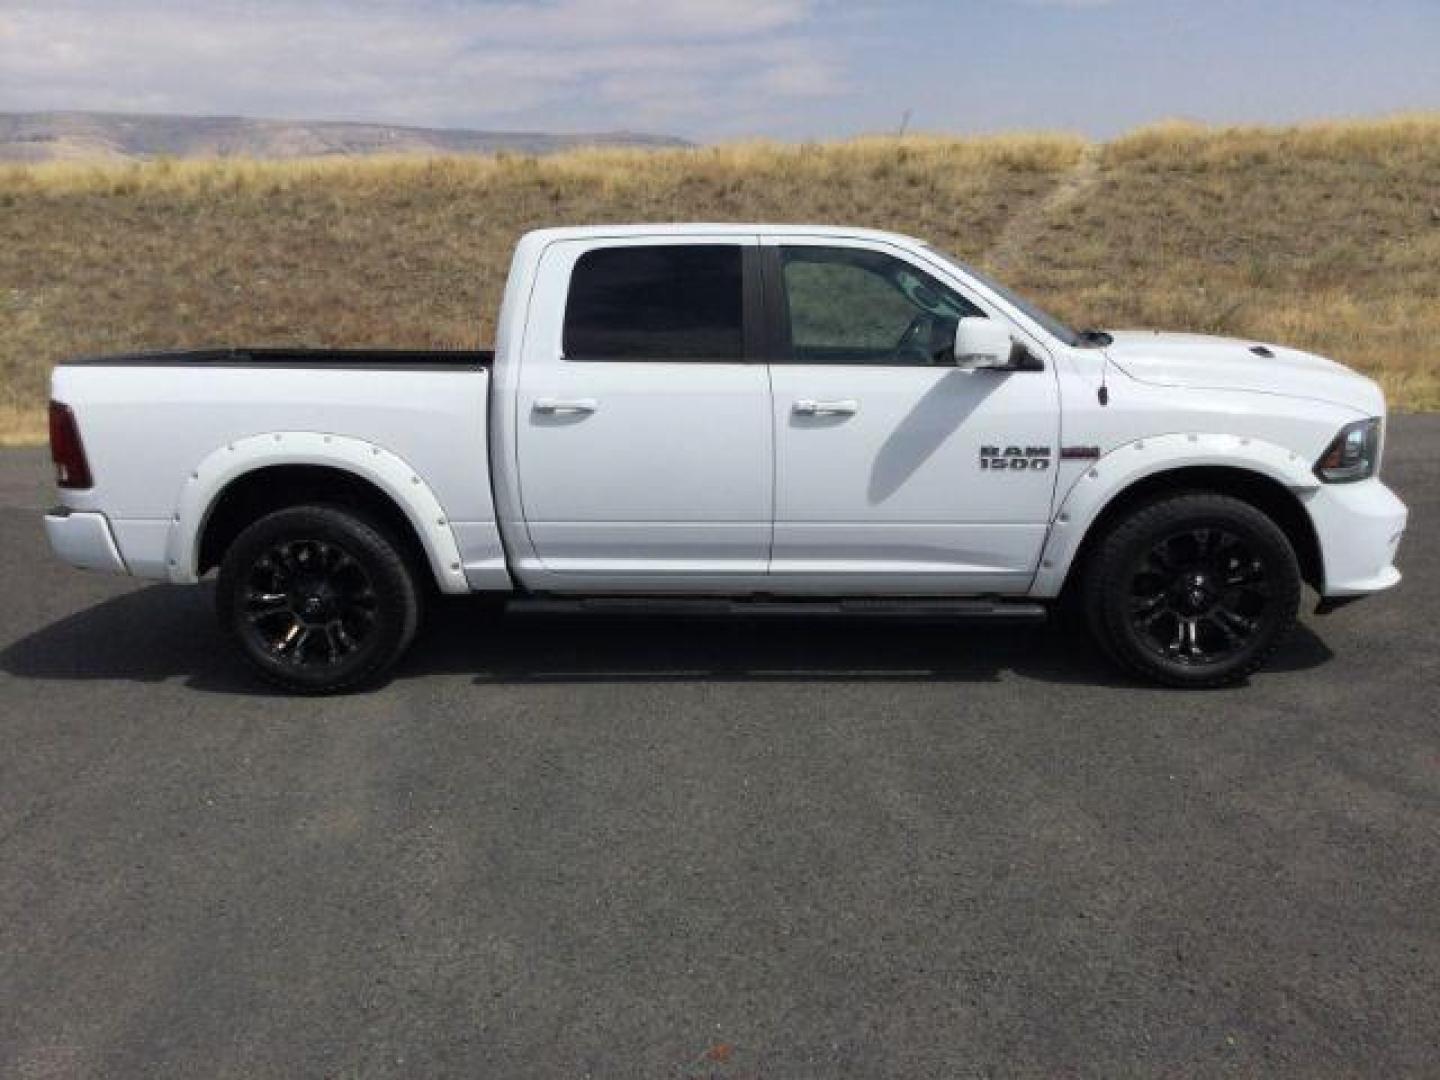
x,y
1193,590
318,599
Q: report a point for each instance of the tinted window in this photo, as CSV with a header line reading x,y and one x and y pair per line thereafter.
x,y
853,306
1040,315
656,303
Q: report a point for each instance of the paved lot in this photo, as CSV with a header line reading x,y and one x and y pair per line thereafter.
x,y
736,849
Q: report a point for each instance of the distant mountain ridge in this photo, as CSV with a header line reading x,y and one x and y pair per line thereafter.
x,y
60,136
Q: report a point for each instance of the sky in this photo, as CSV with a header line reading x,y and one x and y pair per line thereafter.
x,y
712,70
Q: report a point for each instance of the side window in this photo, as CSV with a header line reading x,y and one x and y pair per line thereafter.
x,y
667,302
854,306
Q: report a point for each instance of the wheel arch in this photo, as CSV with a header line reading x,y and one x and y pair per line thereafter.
x,y
1265,476
244,480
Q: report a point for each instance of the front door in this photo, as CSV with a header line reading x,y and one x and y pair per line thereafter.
x,y
894,473
644,440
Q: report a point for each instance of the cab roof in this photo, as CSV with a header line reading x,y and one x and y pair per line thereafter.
x,y
700,228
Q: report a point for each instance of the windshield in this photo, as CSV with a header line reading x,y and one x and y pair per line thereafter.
x,y
1041,316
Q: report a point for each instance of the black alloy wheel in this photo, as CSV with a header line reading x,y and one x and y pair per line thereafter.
x,y
308,602
1195,589
1199,596
318,598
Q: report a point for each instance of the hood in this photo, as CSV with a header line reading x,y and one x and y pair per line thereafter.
x,y
1198,362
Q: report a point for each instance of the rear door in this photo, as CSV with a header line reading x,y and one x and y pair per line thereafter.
x,y
644,438
887,466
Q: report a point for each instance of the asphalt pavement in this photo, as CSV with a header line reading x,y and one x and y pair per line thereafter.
x,y
779,848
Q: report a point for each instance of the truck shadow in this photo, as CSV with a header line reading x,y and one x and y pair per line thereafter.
x,y
160,633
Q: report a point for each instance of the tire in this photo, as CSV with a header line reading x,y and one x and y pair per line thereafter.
x,y
318,599
1193,590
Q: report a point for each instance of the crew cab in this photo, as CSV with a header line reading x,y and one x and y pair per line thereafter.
x,y
738,418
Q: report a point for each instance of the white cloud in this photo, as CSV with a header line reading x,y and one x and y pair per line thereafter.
x,y
629,19
576,63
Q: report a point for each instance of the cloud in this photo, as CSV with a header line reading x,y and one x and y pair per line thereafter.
x,y
557,63
631,19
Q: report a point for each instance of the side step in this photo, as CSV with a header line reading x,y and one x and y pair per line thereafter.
x,y
789,607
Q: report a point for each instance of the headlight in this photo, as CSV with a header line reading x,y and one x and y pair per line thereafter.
x,y
1353,455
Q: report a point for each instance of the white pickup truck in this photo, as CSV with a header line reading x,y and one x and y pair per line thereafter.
x,y
738,418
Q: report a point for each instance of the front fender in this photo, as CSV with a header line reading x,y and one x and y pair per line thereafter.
x,y
374,463
1132,462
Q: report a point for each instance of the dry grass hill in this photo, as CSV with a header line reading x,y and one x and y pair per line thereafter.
x,y
88,136
1326,237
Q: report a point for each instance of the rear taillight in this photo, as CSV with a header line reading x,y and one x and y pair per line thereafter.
x,y
66,449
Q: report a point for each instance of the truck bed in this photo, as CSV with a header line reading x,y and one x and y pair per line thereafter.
x,y
287,357
156,424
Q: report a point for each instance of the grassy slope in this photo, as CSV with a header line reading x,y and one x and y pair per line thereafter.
x,y
1326,237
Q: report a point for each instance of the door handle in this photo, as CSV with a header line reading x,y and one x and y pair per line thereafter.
x,y
556,405
810,407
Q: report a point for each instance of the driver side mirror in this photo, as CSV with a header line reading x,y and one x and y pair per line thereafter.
x,y
983,345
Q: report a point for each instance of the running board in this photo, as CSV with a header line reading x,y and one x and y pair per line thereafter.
x,y
709,606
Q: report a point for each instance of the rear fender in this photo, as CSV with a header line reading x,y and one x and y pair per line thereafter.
x,y
374,463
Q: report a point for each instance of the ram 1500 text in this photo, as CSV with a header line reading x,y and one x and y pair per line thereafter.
x,y
742,418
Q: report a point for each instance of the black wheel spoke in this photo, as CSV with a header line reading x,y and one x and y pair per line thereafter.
x,y
1233,622
1157,562
309,603
1197,595
1146,617
1142,606
286,642
297,654
1226,629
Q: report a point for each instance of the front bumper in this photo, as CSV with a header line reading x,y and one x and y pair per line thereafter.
x,y
84,540
1359,527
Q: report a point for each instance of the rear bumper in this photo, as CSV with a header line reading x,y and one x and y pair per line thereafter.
x,y
1359,527
83,540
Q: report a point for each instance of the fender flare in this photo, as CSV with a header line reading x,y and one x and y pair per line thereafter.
x,y
1127,464
379,466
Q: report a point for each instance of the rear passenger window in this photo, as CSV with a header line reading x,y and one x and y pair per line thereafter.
x,y
670,302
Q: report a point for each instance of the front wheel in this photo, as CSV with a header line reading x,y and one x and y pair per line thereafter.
x,y
318,599
1194,590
